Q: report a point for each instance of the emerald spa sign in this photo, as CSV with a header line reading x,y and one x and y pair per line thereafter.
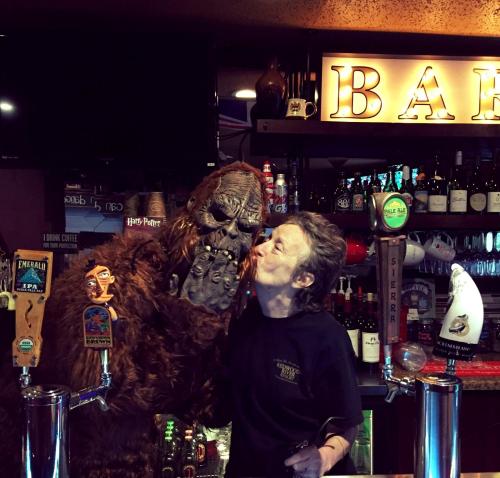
x,y
410,89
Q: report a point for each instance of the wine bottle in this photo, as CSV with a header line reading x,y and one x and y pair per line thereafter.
x,y
493,200
351,324
421,198
438,197
375,183
370,342
358,196
477,194
457,188
407,188
343,198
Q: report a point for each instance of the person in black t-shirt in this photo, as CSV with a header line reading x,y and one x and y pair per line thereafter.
x,y
294,401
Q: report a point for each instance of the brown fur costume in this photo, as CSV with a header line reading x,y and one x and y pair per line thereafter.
x,y
164,357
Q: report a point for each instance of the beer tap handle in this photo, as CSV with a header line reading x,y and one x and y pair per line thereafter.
x,y
392,391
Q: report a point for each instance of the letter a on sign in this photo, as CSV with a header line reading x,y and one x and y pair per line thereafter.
x,y
347,92
428,94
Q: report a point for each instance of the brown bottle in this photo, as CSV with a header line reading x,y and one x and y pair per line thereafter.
x,y
271,93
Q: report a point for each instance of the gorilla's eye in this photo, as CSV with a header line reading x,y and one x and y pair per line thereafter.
x,y
219,216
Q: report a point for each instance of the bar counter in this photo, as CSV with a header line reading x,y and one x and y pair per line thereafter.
x,y
372,384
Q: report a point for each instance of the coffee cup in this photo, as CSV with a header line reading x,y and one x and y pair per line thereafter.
x,y
297,108
440,246
415,252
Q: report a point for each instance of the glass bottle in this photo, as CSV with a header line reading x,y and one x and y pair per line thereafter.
x,y
477,194
370,344
343,198
421,198
358,194
407,188
293,187
375,183
351,324
492,188
457,188
438,196
390,184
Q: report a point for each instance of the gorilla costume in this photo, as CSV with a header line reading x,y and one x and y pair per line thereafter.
x,y
174,296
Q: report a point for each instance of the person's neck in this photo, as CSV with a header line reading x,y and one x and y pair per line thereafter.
x,y
274,303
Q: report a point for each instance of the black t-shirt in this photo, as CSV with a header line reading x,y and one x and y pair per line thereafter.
x,y
287,376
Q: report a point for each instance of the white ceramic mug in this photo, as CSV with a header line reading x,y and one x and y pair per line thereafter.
x,y
415,252
297,108
440,249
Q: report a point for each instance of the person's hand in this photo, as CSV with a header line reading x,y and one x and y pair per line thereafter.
x,y
311,462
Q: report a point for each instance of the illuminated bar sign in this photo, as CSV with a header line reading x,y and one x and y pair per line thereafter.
x,y
410,89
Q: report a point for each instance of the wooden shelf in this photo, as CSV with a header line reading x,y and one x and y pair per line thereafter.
x,y
360,221
315,138
330,128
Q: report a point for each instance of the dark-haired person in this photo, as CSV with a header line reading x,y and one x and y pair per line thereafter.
x,y
291,365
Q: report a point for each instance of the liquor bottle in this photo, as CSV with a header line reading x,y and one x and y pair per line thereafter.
x,y
343,198
358,194
492,188
293,187
407,188
170,450
375,183
188,459
370,344
457,188
390,183
438,196
280,195
269,185
351,324
201,445
477,194
421,198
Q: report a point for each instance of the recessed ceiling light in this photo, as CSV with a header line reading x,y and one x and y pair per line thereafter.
x,y
245,94
6,106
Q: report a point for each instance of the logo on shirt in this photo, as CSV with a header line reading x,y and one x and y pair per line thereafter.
x,y
287,371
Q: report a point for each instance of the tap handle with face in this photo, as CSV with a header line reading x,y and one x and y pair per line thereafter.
x,y
99,315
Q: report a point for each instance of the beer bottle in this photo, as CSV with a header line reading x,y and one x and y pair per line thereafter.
x,y
170,451
421,198
370,344
293,187
358,194
343,198
407,189
188,460
390,183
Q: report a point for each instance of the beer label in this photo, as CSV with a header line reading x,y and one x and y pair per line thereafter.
x,y
458,200
97,332
493,202
343,203
370,347
354,336
454,350
358,202
280,204
31,275
421,201
437,203
478,202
